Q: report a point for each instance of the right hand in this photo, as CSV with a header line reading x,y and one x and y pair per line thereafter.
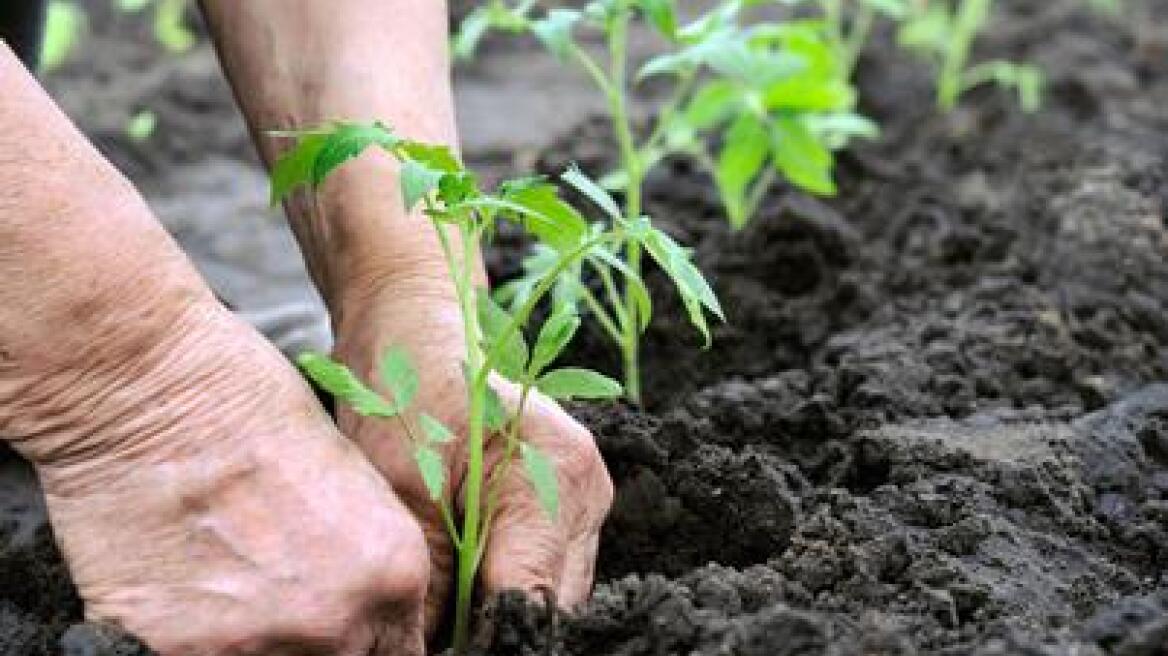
x,y
206,504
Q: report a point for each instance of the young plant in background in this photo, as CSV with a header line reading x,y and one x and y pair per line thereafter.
x,y
772,99
496,338
944,32
65,22
168,22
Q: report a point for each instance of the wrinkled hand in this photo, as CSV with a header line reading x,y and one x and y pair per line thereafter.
x,y
230,517
526,550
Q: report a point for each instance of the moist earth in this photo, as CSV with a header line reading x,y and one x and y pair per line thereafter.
x,y
935,423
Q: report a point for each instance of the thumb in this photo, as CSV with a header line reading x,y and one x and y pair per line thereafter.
x,y
391,455
535,553
526,550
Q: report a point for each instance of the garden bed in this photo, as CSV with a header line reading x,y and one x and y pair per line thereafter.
x,y
937,420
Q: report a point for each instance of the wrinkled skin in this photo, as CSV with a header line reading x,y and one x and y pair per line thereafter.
x,y
235,522
526,550
201,497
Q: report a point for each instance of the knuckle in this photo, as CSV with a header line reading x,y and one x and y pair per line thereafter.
x,y
326,626
584,471
403,570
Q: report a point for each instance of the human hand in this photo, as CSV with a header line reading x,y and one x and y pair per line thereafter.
x,y
204,502
525,550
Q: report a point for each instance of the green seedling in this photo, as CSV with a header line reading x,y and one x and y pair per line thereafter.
x,y
64,24
944,32
751,104
141,125
497,346
168,22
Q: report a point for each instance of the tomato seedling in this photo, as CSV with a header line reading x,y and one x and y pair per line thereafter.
x,y
433,179
944,32
751,104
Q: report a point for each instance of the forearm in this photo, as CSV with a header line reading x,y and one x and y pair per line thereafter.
x,y
298,63
84,264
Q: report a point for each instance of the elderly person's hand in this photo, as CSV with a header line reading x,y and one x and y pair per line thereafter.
x,y
525,550
297,63
201,497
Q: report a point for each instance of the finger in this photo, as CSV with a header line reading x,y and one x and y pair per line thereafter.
x,y
531,551
442,563
399,638
579,571
393,460
526,551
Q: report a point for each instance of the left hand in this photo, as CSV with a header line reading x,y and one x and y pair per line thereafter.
x,y
526,550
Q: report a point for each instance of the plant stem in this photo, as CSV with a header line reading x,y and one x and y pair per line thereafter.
x,y
468,546
601,315
634,175
834,17
500,474
680,94
970,17
758,191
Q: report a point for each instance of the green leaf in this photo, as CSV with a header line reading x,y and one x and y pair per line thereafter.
x,y
720,20
635,284
294,167
808,93
542,212
575,383
696,294
744,152
555,31
494,321
670,62
434,156
470,32
662,14
536,266
417,182
64,23
346,141
455,188
555,334
170,27
435,430
698,51
142,125
712,104
805,161
433,470
836,130
399,376
929,30
585,185
495,414
757,67
336,379
515,185
542,475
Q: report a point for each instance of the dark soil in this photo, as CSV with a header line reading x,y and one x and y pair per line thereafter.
x,y
937,421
